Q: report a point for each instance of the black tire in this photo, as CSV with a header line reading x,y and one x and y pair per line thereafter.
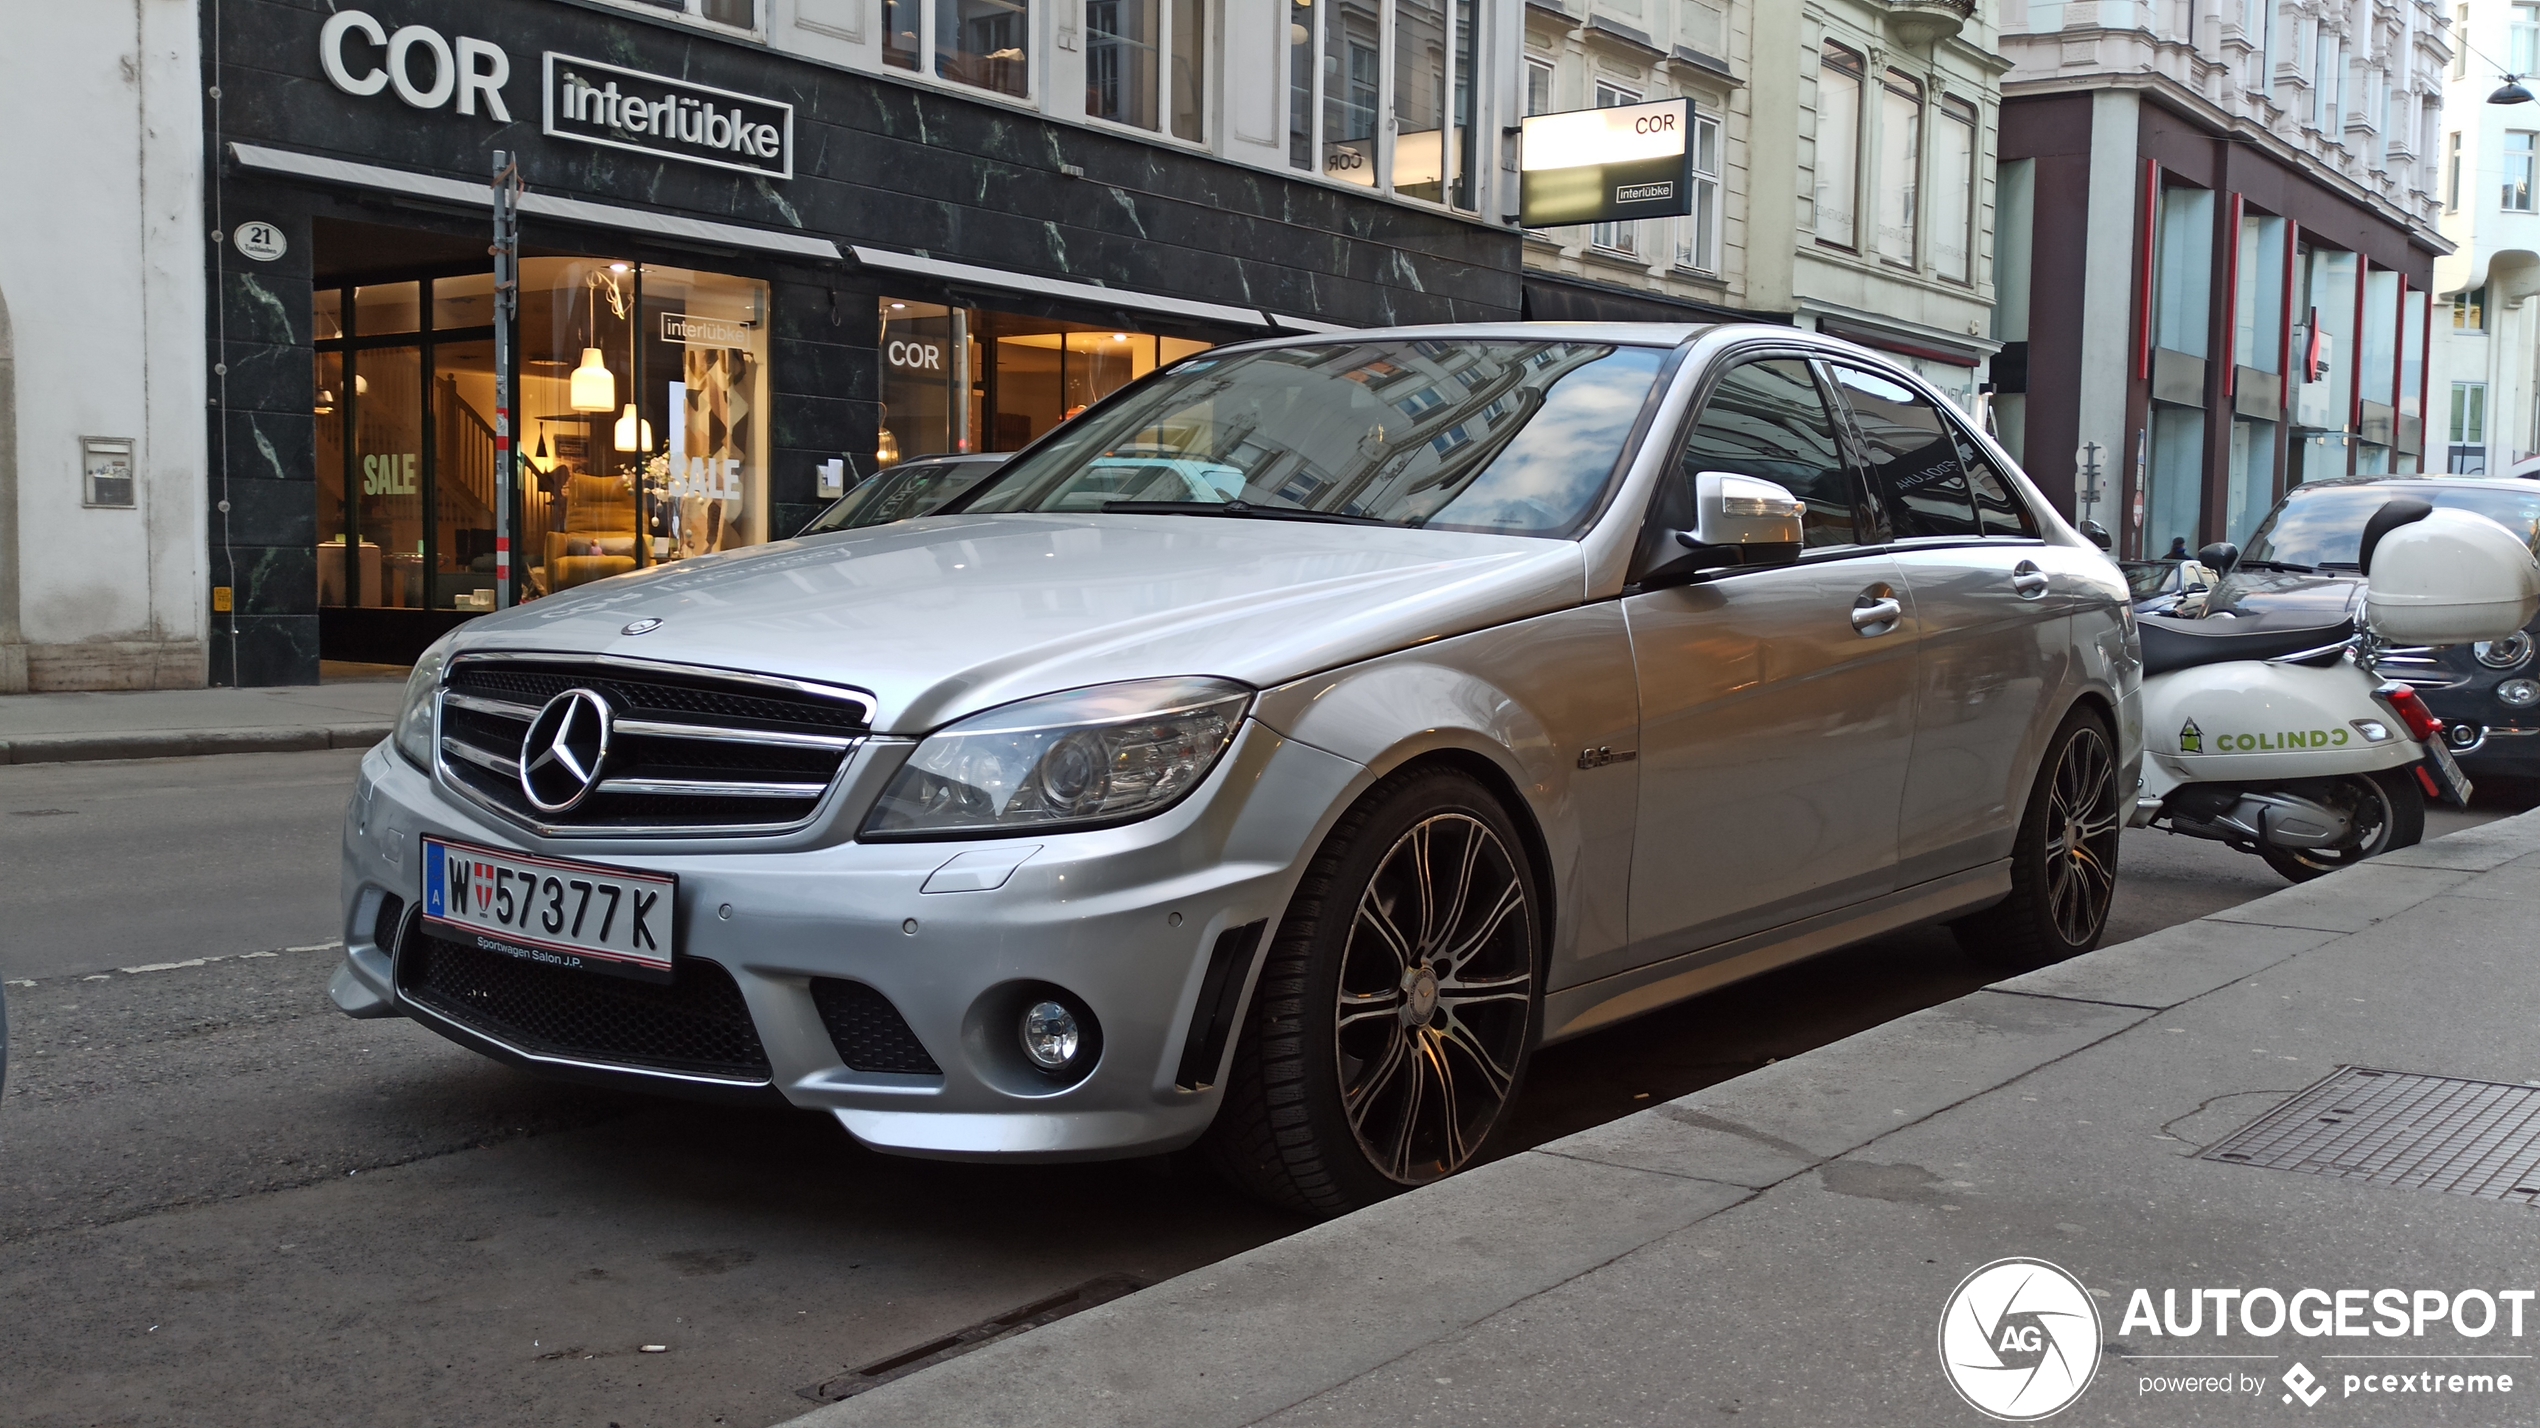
x,y
2389,812
2064,861
1324,1111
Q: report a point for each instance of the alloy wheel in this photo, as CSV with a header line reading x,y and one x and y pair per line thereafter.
x,y
2082,827
1436,990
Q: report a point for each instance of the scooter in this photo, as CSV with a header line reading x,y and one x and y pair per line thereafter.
x,y
2280,739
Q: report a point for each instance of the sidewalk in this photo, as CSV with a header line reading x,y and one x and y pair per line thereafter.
x,y
167,723
1778,1249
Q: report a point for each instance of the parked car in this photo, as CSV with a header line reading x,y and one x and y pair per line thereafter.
x,y
2301,564
2159,585
912,488
1540,675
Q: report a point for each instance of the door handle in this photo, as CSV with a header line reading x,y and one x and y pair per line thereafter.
x,y
1877,616
2027,581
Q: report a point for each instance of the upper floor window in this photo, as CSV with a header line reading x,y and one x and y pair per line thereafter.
x,y
1698,233
1408,128
738,14
2515,193
1145,63
1615,237
2469,310
2327,74
2522,40
2452,171
986,43
1841,76
2460,42
1953,187
1900,165
1538,86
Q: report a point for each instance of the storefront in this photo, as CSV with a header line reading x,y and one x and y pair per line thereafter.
x,y
744,286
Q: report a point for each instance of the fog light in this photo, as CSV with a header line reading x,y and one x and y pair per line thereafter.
x,y
2508,653
2518,693
1050,1035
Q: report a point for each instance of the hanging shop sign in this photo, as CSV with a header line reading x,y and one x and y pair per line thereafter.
x,y
594,103
1606,165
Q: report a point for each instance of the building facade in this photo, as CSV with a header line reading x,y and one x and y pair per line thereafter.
x,y
2486,329
102,394
2252,203
1843,164
768,247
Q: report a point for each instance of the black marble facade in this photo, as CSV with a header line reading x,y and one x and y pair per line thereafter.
x,y
878,161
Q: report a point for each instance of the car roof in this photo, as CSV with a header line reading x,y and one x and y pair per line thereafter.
x,y
2434,478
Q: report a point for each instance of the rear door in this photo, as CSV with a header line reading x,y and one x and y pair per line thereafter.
x,y
1775,721
1995,633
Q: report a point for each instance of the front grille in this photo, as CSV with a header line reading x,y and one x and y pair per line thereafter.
x,y
698,1024
688,749
868,1031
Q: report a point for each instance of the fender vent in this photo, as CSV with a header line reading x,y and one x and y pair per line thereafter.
x,y
2447,1133
1221,1001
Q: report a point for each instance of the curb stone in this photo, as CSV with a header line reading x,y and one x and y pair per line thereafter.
x,y
188,743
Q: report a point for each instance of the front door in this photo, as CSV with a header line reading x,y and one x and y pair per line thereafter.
x,y
1776,704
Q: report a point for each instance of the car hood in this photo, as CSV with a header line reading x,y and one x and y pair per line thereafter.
x,y
2290,594
946,615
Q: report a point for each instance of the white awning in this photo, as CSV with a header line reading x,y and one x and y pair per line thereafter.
x,y
543,205
1069,290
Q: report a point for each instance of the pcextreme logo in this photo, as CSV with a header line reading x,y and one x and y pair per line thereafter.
x,y
2019,1340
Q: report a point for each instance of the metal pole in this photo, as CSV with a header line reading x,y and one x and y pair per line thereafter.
x,y
506,251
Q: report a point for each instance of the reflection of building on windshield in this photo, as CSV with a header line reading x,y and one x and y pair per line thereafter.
x,y
964,379
1488,435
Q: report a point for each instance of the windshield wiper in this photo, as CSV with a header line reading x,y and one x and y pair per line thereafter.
x,y
2279,565
1241,510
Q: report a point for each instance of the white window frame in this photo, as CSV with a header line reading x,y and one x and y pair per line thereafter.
x,y
2527,159
1616,239
693,12
1857,73
1701,229
1164,37
1387,25
1035,61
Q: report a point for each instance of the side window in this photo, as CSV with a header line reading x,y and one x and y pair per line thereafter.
x,y
1998,507
1768,419
1914,461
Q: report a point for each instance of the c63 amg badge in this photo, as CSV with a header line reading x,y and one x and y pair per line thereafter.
x,y
2019,1340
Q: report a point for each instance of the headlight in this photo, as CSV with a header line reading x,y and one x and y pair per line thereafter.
x,y
414,722
1107,754
2508,653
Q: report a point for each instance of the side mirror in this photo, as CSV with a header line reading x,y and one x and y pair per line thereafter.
x,y
2220,557
2097,535
1740,522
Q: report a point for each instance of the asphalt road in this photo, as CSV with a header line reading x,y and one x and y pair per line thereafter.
x,y
222,1203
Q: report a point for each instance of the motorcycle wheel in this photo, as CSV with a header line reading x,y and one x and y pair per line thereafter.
x,y
2389,808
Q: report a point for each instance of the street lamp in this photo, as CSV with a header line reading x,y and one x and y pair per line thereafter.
x,y
2511,92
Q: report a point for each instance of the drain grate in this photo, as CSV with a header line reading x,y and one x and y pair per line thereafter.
x,y
1100,1290
2444,1133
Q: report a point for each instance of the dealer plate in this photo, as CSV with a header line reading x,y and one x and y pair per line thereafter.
x,y
583,916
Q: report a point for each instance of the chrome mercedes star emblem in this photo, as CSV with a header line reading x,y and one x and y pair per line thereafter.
x,y
561,754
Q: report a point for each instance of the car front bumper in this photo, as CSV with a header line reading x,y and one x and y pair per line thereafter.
x,y
1125,919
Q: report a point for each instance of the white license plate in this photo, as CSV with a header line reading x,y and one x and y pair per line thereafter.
x,y
577,915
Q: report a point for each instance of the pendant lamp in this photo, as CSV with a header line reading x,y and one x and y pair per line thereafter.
x,y
539,460
633,435
594,386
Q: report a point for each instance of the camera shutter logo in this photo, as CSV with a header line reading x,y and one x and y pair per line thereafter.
x,y
2019,1340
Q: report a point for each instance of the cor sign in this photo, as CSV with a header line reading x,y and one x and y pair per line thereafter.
x,y
1606,165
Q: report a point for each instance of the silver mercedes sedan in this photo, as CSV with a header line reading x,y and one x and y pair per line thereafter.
x,y
1271,758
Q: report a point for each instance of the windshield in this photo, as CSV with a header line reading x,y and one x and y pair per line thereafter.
x,y
2148,577
1506,437
2323,527
900,494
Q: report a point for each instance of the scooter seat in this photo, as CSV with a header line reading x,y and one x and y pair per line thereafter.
x,y
2170,644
